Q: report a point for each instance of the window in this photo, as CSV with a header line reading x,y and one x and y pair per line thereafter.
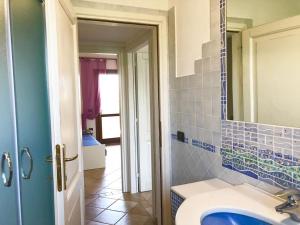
x,y
109,118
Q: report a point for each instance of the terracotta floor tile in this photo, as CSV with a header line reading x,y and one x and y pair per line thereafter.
x,y
92,190
145,203
133,220
150,222
88,201
91,196
133,197
149,210
123,206
92,212
101,202
109,193
106,204
147,195
93,223
138,210
108,216
116,185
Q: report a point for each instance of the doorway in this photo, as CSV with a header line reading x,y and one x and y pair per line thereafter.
x,y
123,191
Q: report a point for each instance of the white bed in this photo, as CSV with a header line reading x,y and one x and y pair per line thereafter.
x,y
93,153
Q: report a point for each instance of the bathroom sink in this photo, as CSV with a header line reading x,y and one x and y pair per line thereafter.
x,y
225,218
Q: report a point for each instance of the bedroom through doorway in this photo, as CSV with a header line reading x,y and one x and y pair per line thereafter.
x,y
118,69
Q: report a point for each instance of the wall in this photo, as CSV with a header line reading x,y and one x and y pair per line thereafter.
x,y
149,4
192,26
262,12
236,152
196,14
195,109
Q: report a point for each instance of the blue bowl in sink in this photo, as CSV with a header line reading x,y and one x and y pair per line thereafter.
x,y
225,218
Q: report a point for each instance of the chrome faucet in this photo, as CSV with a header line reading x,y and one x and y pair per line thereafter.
x,y
292,204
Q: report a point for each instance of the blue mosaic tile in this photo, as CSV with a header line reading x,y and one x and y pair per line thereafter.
x,y
203,145
283,132
174,136
250,127
296,133
265,129
176,201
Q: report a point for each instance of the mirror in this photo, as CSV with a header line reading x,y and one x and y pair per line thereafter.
x,y
263,61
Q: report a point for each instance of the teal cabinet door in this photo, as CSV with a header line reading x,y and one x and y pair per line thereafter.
x,y
8,188
32,111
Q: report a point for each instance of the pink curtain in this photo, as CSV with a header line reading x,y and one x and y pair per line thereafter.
x,y
91,103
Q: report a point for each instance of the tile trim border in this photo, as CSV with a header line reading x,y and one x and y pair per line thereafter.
x,y
197,143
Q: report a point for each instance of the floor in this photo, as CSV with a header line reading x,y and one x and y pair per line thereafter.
x,y
105,202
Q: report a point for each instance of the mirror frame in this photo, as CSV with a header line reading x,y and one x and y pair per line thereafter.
x,y
276,162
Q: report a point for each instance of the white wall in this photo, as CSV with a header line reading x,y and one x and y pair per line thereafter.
x,y
262,11
149,4
192,23
192,29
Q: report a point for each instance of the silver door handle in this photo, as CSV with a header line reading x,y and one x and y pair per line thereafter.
x,y
26,152
6,159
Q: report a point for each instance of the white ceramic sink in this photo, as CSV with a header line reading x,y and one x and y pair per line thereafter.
x,y
242,199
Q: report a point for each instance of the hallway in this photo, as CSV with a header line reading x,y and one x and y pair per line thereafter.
x,y
105,202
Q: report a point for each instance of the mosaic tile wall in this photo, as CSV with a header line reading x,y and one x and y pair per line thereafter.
x,y
176,201
237,152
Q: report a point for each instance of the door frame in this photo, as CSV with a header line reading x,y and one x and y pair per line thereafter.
x,y
161,21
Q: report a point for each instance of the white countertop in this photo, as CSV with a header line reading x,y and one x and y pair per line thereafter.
x,y
244,199
188,190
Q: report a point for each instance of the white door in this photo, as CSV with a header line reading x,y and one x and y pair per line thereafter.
x,y
65,112
237,76
271,72
144,123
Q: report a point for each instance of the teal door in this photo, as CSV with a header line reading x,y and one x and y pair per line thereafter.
x,y
8,182
32,111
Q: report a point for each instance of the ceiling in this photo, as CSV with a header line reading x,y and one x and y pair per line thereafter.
x,y
146,4
117,33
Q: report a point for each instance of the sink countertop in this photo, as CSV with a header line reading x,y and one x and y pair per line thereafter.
x,y
244,199
188,190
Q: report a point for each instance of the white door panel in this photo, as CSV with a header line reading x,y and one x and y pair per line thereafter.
x,y
278,80
67,91
65,110
144,123
271,72
237,77
68,117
